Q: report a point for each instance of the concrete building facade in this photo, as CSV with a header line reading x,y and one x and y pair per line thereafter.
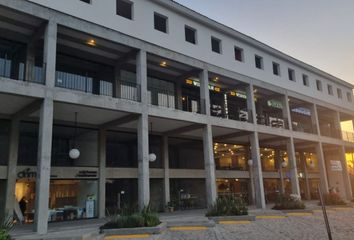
x,y
165,106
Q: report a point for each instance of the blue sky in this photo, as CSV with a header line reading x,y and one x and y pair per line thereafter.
x,y
318,32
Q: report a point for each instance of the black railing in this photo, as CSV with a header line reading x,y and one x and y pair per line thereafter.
x,y
162,98
128,91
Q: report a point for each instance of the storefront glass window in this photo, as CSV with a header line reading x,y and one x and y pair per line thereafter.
x,y
268,159
230,157
186,154
311,162
121,150
234,187
68,199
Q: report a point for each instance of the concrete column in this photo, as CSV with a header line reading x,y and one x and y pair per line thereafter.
x,y
117,83
43,166
30,63
179,94
286,112
346,177
307,190
209,165
141,75
257,171
322,167
314,118
295,187
49,54
12,167
253,192
102,175
279,162
143,161
251,106
204,92
166,164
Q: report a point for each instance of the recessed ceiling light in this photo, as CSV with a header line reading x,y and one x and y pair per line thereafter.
x,y
163,64
91,42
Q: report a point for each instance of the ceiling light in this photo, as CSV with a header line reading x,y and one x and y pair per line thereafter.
x,y
163,64
91,42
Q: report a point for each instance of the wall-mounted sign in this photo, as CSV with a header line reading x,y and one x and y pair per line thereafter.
x,y
238,94
197,84
83,174
29,173
274,104
336,166
302,110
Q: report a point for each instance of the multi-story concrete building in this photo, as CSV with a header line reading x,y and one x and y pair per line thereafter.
x,y
125,81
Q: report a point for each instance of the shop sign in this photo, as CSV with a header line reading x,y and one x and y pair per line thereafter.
x,y
274,104
84,174
238,94
336,166
28,173
301,110
197,84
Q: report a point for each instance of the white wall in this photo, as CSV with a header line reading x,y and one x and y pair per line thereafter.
x,y
104,13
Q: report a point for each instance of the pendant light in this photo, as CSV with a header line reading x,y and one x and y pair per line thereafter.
x,y
74,153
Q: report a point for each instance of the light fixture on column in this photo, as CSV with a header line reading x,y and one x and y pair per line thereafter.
x,y
152,156
74,153
312,164
250,162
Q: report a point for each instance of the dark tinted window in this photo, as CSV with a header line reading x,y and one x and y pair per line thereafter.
x,y
258,62
276,70
160,22
216,45
239,54
190,35
291,74
125,9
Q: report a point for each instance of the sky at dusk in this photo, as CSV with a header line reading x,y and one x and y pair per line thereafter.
x,y
317,32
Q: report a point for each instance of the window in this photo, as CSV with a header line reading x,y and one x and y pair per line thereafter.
x,y
258,62
339,93
190,34
215,45
160,22
238,54
330,89
305,80
349,97
319,85
125,8
276,69
86,1
291,74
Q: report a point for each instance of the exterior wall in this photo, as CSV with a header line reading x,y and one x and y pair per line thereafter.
x,y
141,27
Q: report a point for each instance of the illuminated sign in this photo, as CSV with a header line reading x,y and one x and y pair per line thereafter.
x,y
301,110
197,84
274,104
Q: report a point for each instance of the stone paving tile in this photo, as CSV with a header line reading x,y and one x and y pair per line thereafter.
x,y
291,228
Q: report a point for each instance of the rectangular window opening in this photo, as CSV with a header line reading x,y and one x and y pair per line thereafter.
x,y
190,35
319,85
339,93
330,89
160,22
305,80
125,9
258,62
291,73
238,54
276,69
215,45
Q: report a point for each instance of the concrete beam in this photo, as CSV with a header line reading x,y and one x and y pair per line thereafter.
x,y
126,57
185,129
27,110
120,121
37,34
192,73
231,135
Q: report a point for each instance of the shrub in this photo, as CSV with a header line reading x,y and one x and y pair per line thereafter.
x,y
228,206
288,202
130,219
333,199
5,226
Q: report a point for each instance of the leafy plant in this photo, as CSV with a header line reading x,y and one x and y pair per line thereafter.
x,y
228,206
6,225
132,218
333,198
288,202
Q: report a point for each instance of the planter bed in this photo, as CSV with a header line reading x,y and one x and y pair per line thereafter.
x,y
233,218
130,231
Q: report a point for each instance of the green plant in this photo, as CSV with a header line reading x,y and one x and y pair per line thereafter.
x,y
228,206
6,225
131,218
288,202
333,198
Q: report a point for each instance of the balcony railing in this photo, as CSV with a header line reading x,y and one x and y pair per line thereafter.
x,y
19,71
348,136
272,121
123,90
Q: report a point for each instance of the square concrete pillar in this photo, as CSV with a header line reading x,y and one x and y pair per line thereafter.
x,y
141,75
204,92
295,187
322,167
102,174
143,162
303,163
314,119
166,164
257,171
286,112
251,106
43,166
30,63
50,52
209,165
10,197
346,177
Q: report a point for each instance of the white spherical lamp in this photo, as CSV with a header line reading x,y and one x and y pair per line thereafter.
x,y
250,162
74,153
284,164
152,157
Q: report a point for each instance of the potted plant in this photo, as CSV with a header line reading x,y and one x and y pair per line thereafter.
x,y
170,207
5,226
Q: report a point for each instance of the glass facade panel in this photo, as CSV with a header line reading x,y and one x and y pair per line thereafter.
x,y
186,154
230,157
188,193
234,187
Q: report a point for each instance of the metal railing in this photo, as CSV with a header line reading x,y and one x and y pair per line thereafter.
x,y
162,98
